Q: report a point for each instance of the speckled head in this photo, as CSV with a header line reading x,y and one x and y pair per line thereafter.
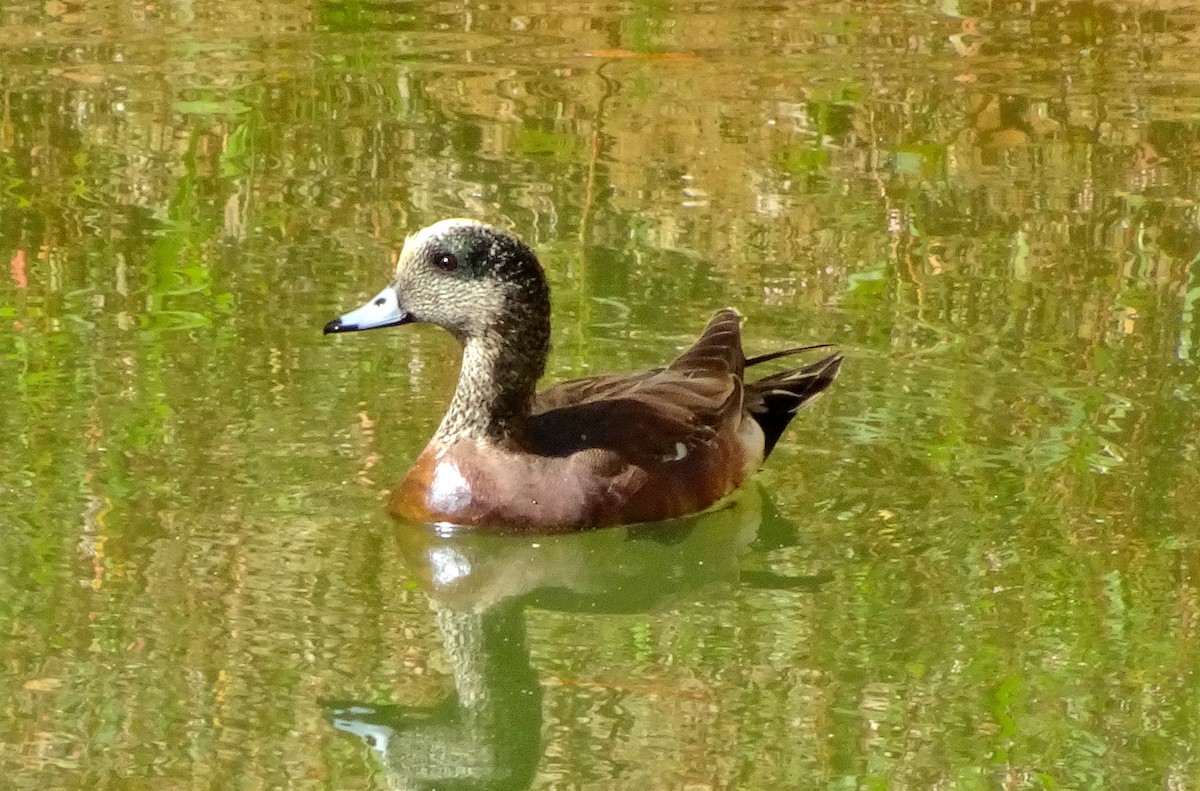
x,y
487,288
467,277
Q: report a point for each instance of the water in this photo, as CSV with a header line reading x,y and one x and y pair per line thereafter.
x,y
973,564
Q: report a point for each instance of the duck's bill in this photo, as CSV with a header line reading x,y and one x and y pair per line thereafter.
x,y
382,310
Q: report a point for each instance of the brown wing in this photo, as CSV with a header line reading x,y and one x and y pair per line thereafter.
x,y
588,388
718,350
648,415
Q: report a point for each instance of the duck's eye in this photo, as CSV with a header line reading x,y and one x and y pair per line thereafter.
x,y
445,262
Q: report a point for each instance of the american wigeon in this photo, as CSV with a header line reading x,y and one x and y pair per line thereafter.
x,y
591,452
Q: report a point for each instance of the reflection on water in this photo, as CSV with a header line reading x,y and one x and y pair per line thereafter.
x,y
990,206
487,734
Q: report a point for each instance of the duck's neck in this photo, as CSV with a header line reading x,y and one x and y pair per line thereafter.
x,y
496,385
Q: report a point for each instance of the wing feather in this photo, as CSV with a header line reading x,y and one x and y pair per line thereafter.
x,y
648,415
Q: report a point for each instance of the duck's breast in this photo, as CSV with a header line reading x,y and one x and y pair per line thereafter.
x,y
487,486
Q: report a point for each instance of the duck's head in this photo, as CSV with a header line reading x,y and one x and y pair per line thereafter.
x,y
471,278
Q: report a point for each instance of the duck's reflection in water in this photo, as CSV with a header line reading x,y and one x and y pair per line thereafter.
x,y
483,736
487,734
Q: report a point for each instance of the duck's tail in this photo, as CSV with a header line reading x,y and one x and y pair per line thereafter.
x,y
774,400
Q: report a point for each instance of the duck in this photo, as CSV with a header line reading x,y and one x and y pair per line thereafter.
x,y
586,453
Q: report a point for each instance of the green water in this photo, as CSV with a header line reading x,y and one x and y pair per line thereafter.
x,y
974,564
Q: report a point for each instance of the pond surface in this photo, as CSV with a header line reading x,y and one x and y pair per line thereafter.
x,y
975,563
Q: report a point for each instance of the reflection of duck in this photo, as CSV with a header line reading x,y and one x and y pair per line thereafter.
x,y
1003,121
591,452
487,735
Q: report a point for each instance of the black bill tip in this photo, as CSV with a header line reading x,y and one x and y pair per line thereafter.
x,y
336,325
